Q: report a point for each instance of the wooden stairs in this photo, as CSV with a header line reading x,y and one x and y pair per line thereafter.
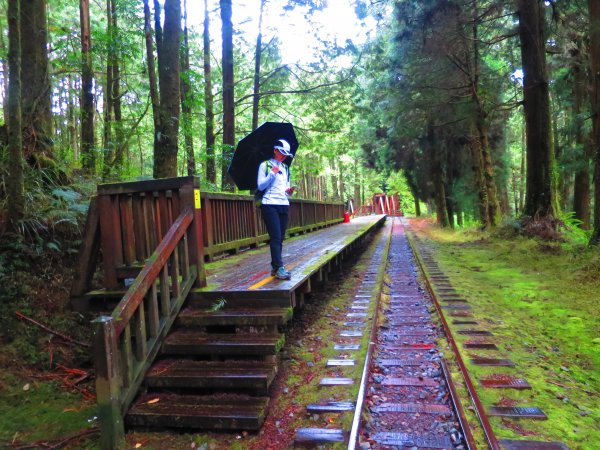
x,y
216,365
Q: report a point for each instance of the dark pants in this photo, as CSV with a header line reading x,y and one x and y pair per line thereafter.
x,y
276,220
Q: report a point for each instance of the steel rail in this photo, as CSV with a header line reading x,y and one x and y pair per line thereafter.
x,y
479,410
353,438
460,412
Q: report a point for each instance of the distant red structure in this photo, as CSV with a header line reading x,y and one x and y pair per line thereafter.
x,y
381,204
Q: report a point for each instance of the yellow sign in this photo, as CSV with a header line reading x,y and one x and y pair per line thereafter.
x,y
197,198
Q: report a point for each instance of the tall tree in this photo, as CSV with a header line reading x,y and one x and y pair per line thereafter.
x,y
4,78
151,66
14,185
211,172
168,50
36,98
540,200
114,142
228,94
257,55
594,13
581,190
88,152
187,97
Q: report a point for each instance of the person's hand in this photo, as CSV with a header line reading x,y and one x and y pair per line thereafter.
x,y
290,191
275,169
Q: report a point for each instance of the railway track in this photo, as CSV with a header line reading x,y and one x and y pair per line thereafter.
x,y
406,396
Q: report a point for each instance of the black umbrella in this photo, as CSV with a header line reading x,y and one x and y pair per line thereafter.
x,y
258,147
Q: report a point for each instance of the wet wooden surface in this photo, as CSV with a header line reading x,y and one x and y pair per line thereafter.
x,y
303,256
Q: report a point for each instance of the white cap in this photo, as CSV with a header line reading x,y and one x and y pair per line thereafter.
x,y
284,147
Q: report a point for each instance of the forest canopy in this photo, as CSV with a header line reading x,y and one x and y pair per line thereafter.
x,y
482,111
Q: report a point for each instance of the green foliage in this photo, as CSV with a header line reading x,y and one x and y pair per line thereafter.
x,y
571,227
539,300
218,305
32,411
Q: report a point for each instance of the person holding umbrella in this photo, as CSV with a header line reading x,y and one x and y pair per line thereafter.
x,y
274,179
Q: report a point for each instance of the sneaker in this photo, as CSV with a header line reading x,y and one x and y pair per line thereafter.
x,y
273,272
283,274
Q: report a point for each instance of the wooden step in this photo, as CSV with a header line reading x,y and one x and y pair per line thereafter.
x,y
191,374
214,412
238,316
192,343
201,299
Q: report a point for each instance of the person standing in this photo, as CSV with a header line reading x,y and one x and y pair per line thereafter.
x,y
274,180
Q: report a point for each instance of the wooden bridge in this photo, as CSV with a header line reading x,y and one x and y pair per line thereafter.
x,y
184,342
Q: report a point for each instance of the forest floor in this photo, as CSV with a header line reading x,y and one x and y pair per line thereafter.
x,y
538,297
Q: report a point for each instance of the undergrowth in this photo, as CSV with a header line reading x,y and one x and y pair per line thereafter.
x,y
539,298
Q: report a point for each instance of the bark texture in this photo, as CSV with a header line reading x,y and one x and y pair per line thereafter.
x,y
594,13
540,199
167,134
228,95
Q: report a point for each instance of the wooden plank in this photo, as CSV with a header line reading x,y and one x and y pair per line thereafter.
x,y
109,242
88,253
125,206
134,187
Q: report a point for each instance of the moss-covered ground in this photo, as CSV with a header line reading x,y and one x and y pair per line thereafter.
x,y
540,300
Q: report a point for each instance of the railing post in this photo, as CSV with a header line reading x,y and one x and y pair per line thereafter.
x,y
110,234
255,224
190,196
108,384
207,216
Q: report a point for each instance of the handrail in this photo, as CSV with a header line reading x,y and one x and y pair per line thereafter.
x,y
126,342
128,220
136,292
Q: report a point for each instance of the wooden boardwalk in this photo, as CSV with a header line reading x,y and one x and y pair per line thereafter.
x,y
305,256
222,350
189,341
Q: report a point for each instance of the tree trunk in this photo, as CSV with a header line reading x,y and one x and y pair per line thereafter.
x,y
151,66
581,188
417,205
14,182
522,173
488,173
437,177
540,200
335,192
36,100
73,137
187,98
484,175
228,95
4,79
211,171
107,141
358,200
341,181
257,55
477,161
167,134
594,13
88,152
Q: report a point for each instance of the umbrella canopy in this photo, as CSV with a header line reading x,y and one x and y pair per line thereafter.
x,y
258,147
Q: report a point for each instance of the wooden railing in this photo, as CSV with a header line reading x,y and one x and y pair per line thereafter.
x,y
127,341
381,204
126,221
231,222
153,237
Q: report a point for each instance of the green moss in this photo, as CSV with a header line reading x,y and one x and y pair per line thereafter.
x,y
31,411
540,301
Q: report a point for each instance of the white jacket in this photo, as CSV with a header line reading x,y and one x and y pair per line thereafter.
x,y
274,183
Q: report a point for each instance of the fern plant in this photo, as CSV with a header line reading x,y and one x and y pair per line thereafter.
x,y
218,305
